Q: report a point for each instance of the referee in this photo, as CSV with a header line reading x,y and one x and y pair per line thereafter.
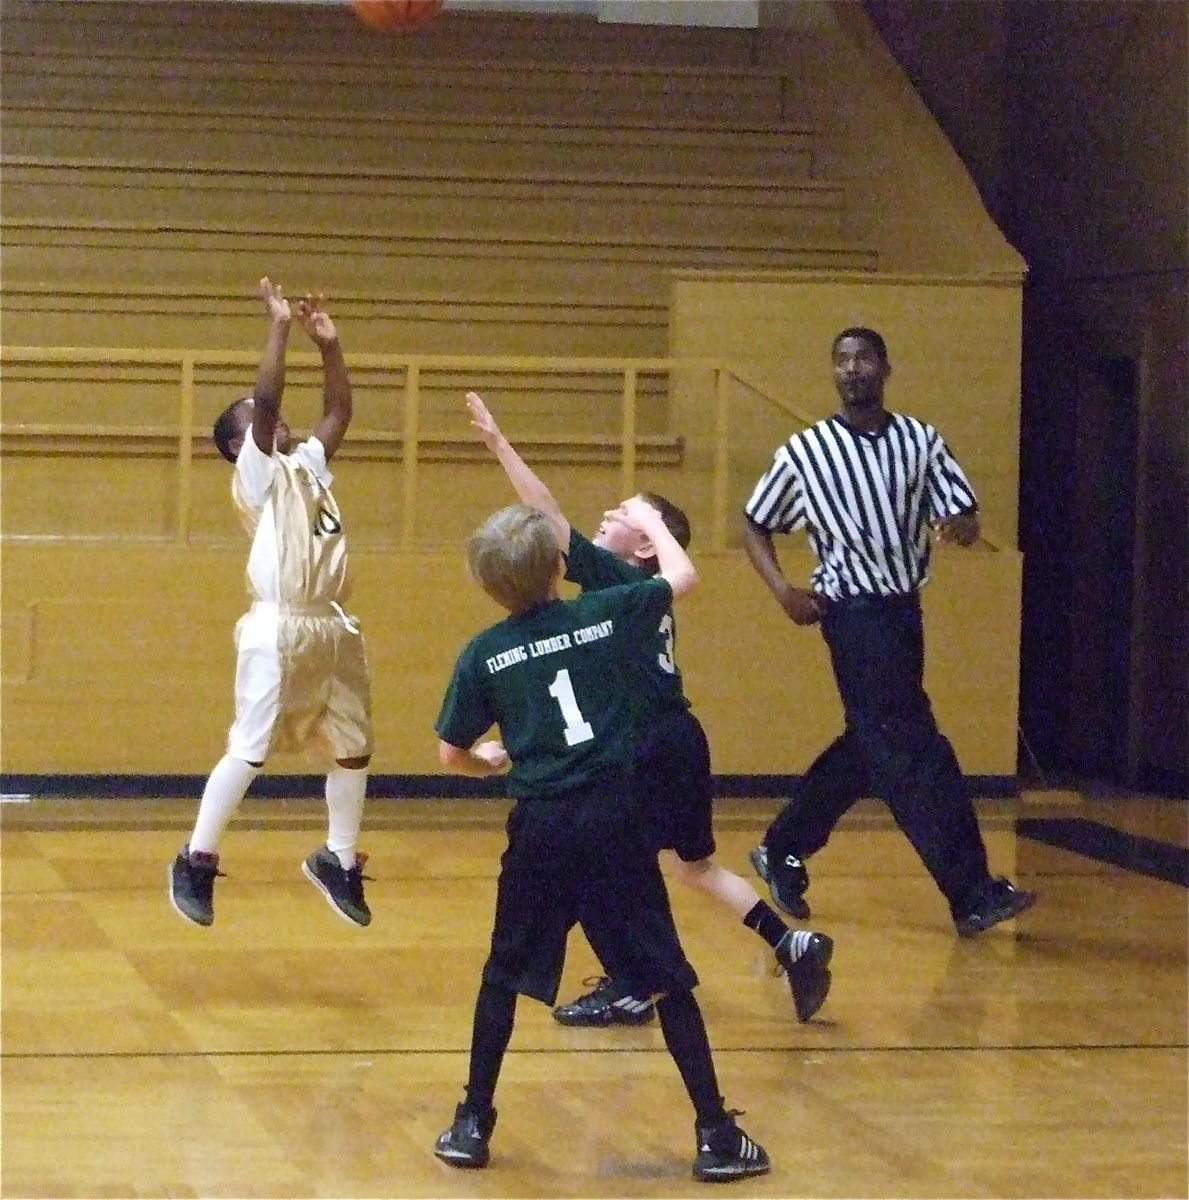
x,y
868,486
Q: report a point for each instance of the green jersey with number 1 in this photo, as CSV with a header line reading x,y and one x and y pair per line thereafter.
x,y
563,684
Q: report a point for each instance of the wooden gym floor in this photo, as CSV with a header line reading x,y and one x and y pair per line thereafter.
x,y
284,1053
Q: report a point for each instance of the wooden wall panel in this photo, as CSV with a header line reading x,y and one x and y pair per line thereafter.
x,y
954,345
91,496
121,657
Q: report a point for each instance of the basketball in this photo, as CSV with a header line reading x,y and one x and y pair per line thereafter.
x,y
396,16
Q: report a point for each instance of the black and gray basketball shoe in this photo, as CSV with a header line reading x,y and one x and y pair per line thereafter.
x,y
464,1144
605,1004
805,958
1000,901
342,887
787,881
725,1152
192,885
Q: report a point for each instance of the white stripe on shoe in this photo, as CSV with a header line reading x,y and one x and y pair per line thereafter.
x,y
632,1004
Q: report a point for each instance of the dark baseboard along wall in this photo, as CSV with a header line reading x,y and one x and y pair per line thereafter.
x,y
387,787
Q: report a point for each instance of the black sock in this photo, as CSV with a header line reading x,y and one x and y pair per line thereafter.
x,y
495,1014
685,1035
763,919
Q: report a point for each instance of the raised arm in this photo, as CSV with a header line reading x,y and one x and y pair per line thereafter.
x,y
528,486
270,377
800,604
672,561
336,383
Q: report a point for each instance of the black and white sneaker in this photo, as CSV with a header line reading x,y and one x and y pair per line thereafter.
x,y
1001,901
605,1004
464,1144
805,958
725,1152
342,887
787,882
192,885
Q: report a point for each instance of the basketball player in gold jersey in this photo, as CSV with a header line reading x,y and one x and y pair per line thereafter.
x,y
302,680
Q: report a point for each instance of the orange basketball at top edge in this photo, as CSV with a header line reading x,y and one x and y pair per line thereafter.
x,y
396,16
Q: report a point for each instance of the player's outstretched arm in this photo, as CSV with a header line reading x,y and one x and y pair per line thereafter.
x,y
529,487
672,561
270,376
336,383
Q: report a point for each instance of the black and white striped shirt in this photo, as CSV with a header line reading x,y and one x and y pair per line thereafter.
x,y
866,500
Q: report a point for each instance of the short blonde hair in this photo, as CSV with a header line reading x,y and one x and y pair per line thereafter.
x,y
513,556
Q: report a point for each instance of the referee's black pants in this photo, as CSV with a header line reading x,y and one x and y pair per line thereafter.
x,y
891,748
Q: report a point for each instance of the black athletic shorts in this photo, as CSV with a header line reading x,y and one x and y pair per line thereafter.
x,y
674,786
581,858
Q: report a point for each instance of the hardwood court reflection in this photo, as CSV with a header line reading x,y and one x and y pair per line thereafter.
x,y
283,1053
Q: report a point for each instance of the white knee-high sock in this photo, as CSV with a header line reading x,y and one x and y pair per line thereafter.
x,y
345,791
225,789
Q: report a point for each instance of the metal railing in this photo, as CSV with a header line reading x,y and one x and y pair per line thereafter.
x,y
712,388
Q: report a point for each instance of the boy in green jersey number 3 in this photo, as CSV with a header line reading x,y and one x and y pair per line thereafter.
x,y
672,779
560,680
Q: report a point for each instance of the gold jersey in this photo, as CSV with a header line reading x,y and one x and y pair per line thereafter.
x,y
299,550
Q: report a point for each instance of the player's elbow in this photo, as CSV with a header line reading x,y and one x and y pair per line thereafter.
x,y
682,581
453,758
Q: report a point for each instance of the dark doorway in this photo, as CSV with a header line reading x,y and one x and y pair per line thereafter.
x,y
1079,423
